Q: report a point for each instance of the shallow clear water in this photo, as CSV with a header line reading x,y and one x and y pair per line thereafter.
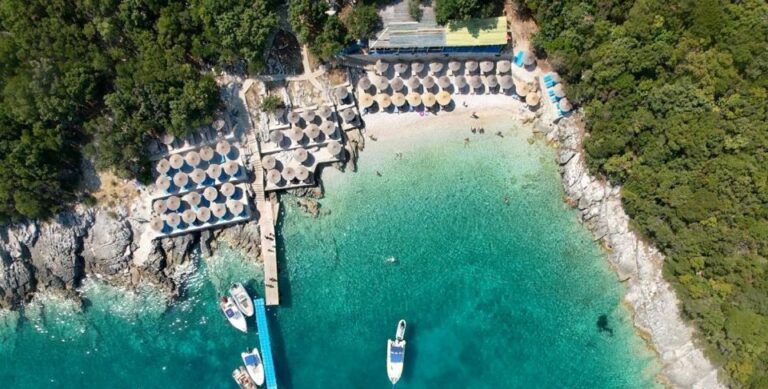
x,y
500,286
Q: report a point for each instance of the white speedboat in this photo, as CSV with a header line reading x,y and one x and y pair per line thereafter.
x,y
254,366
242,299
240,376
396,353
233,314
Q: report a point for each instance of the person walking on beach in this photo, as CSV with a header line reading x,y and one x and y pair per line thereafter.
x,y
474,115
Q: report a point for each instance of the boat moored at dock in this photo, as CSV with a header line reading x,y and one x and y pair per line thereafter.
x,y
254,366
241,298
240,375
233,314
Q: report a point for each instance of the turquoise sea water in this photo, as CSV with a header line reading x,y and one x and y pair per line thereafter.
x,y
500,286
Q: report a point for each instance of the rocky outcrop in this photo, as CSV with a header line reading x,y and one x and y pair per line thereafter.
x,y
244,237
655,305
55,256
107,248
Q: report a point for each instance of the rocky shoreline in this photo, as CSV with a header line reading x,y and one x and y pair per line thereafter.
x,y
655,306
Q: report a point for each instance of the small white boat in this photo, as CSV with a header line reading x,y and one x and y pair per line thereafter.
x,y
242,299
233,314
254,366
396,353
240,376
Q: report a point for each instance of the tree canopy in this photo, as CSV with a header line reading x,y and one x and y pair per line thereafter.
x,y
675,95
446,10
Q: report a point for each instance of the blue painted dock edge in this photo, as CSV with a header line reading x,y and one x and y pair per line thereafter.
x,y
265,343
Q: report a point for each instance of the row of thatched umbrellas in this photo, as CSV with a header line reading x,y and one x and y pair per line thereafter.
x,y
312,131
435,67
202,214
192,158
444,82
210,193
398,99
198,176
324,112
276,173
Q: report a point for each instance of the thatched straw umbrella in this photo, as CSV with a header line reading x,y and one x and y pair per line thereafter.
x,y
428,82
188,216
159,206
300,155
529,59
180,179
414,83
312,131
276,136
559,90
364,83
486,66
218,210
289,173
236,207
176,161
308,115
167,139
382,84
163,183
213,171
203,214
192,158
268,162
206,153
293,117
197,176
565,105
460,82
506,82
328,127
444,82
302,173
163,166
227,189
231,168
475,82
172,219
397,84
532,99
521,88
365,100
223,147
341,92
296,134
471,66
414,99
428,99
492,81
384,100
503,66
398,99
435,67
348,115
157,223
454,66
381,66
274,176
173,203
401,68
210,193
324,111
192,198
416,67
334,147
443,98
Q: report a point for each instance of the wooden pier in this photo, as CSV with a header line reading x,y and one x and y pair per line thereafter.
x,y
267,220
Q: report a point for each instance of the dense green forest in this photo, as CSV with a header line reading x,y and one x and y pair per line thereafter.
x,y
101,76
446,10
675,97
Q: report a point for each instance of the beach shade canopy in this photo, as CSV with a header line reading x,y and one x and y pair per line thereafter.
x,y
227,189
414,99
384,100
188,216
381,66
296,134
435,67
159,207
273,176
444,82
382,84
214,171
428,82
559,90
506,82
471,66
173,203
398,99
173,220
366,100
401,68
218,210
302,173
428,99
180,179
192,198
276,136
223,147
308,115
364,83
454,66
460,81
443,98
503,66
206,153
289,173
300,155
203,214
475,81
312,131
293,117
176,161
341,92
492,81
163,182
210,193
486,66
236,207
348,115
231,168
532,99
416,67
521,88
397,84
324,111
414,82
197,176
334,147
328,127
167,139
268,162
192,158
157,223
529,59
565,105
163,166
